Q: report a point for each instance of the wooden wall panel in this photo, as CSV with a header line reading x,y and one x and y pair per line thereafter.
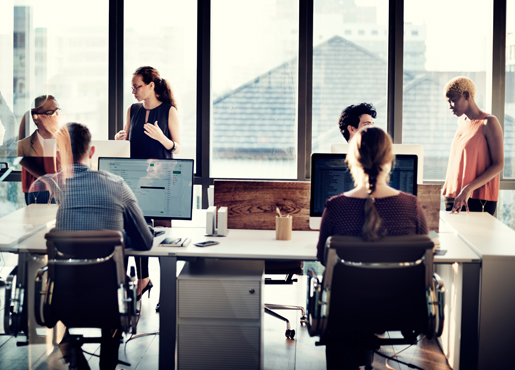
x,y
251,204
430,198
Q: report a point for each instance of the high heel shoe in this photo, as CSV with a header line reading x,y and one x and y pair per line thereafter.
x,y
148,287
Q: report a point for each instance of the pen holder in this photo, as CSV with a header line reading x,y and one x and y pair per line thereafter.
x,y
283,227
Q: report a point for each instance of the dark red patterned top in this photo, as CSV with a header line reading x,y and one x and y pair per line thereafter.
x,y
401,215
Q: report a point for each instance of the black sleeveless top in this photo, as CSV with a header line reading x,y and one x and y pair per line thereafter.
x,y
142,145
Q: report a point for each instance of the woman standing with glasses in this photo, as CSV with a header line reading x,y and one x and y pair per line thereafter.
x,y
152,127
38,152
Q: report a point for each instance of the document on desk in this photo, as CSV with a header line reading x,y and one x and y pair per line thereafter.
x,y
175,242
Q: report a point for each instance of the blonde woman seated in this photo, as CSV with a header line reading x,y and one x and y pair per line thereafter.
x,y
372,209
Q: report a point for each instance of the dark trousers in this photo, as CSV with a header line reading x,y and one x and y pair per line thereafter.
x,y
142,267
475,205
109,346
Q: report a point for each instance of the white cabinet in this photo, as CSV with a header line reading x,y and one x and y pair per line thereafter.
x,y
219,315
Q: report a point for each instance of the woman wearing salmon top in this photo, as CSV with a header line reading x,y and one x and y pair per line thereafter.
x,y
477,153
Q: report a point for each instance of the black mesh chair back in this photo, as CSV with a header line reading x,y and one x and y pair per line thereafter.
x,y
87,284
373,287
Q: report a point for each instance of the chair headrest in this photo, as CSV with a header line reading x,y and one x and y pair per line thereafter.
x,y
84,243
388,249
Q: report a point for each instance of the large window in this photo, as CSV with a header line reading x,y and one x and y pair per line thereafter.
x,y
509,113
350,49
506,205
254,47
167,41
54,47
440,43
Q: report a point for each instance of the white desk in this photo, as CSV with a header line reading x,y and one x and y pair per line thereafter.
x,y
23,223
247,245
494,242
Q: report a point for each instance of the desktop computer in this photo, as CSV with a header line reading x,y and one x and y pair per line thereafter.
x,y
163,187
330,176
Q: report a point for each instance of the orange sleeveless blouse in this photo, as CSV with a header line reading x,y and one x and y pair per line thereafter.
x,y
468,159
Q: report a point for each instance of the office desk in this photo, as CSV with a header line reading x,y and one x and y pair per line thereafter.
x,y
494,242
258,245
23,223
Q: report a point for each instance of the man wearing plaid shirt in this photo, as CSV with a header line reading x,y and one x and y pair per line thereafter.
x,y
97,200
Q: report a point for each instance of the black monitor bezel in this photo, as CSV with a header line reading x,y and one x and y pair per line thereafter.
x,y
312,213
163,159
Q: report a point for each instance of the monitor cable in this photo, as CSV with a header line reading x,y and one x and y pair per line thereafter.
x,y
393,357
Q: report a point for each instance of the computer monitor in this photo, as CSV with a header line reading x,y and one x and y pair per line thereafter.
x,y
397,149
330,176
110,149
163,187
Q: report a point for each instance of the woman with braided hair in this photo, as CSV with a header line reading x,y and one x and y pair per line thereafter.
x,y
372,209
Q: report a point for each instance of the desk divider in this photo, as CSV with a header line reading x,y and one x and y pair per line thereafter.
x,y
252,204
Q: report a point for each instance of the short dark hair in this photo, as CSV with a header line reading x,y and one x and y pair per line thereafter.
x,y
351,114
80,139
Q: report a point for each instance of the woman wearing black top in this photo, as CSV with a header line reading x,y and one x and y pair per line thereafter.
x,y
152,127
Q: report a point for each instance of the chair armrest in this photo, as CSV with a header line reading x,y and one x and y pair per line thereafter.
x,y
439,282
313,306
13,317
8,299
38,293
440,295
312,273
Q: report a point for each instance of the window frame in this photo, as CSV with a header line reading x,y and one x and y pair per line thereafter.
x,y
306,12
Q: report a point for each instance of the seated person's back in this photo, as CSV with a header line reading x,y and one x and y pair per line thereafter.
x,y
97,200
372,209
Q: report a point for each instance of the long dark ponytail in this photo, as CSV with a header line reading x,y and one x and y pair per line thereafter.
x,y
370,150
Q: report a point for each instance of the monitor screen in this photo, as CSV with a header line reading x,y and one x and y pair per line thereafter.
x,y
415,149
163,187
330,176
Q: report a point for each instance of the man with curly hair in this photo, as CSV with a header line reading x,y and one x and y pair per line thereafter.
x,y
355,117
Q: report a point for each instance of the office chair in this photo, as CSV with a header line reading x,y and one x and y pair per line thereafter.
x,y
86,285
287,268
374,287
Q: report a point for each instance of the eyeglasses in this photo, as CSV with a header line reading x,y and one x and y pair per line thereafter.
x,y
135,88
46,113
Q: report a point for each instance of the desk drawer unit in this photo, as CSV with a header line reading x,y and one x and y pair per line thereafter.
x,y
220,312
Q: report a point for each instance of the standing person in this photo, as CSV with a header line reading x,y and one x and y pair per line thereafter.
x,y
355,117
372,210
477,153
38,149
152,127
